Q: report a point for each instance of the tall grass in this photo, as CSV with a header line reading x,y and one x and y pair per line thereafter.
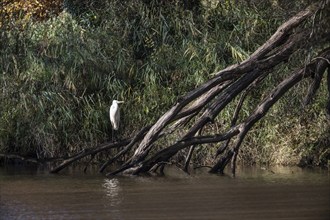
x,y
59,76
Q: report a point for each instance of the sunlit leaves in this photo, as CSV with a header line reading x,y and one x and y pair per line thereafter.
x,y
20,11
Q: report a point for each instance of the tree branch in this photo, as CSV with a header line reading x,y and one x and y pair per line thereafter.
x,y
88,152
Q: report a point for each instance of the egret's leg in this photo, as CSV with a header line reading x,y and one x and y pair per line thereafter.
x,y
113,132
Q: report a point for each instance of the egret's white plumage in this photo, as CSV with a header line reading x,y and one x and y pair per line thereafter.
x,y
115,115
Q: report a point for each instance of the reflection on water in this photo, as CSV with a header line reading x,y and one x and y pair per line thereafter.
x,y
256,193
112,190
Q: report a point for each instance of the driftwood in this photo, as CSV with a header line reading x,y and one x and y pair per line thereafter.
x,y
204,103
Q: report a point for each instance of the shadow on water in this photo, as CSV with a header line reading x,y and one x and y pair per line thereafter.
x,y
255,193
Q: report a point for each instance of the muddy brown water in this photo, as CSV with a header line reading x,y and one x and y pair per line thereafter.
x,y
255,193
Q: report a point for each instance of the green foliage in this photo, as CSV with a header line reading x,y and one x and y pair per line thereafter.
x,y
59,76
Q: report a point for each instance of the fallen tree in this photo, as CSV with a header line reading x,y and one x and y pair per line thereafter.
x,y
192,112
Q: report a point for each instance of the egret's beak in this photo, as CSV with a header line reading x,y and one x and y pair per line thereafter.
x,y
120,101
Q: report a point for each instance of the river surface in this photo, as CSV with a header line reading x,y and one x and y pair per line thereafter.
x,y
255,193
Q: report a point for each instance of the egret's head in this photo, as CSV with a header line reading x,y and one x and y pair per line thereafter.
x,y
117,102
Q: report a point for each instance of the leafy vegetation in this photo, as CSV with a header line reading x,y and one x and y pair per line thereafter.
x,y
60,70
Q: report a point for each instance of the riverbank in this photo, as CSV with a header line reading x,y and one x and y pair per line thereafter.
x,y
59,75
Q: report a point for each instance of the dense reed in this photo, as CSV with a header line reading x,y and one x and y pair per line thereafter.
x,y
59,75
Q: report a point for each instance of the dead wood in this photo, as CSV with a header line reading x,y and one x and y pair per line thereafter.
x,y
315,85
88,152
126,149
317,67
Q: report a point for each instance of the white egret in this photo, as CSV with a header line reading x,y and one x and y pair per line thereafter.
x,y
114,116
